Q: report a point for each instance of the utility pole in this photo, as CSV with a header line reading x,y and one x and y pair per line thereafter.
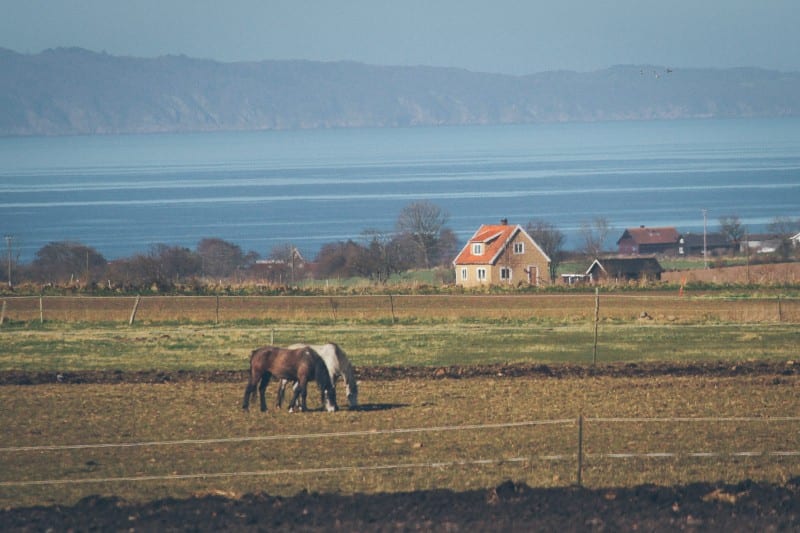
x,y
705,241
9,238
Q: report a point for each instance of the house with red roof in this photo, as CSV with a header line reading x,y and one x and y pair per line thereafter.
x,y
646,241
501,254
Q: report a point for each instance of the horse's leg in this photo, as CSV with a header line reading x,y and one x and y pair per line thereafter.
x,y
248,390
262,387
281,389
299,393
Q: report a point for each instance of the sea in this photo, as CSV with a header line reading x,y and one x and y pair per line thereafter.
x,y
123,194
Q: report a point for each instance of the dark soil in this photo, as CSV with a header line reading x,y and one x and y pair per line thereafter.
x,y
747,506
644,370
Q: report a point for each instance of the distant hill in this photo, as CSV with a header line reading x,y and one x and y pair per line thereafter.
x,y
74,91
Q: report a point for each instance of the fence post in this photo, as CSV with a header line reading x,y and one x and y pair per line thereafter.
x,y
596,321
41,310
780,310
3,313
391,306
334,305
216,313
133,313
580,450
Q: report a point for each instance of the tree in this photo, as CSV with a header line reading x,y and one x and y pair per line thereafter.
x,y
174,263
220,258
732,228
594,235
377,257
784,228
423,223
338,260
63,261
550,240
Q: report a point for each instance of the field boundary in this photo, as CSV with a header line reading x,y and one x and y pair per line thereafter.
x,y
578,455
664,307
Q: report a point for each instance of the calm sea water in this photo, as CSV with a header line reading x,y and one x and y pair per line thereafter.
x,y
122,194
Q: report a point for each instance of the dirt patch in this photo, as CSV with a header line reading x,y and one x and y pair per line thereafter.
x,y
748,506
644,370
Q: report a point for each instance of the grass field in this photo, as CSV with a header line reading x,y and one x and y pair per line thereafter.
x,y
144,441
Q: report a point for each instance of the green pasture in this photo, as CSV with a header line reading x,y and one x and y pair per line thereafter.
x,y
73,347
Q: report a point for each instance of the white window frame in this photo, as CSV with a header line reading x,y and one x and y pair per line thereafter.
x,y
505,274
481,272
464,274
519,248
477,248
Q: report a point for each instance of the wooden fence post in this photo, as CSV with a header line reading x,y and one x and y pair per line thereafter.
x,y
334,306
3,313
216,314
41,310
391,306
133,313
596,321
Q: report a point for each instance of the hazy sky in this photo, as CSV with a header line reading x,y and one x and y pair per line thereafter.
x,y
510,36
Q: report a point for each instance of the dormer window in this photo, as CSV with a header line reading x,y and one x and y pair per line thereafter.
x,y
477,248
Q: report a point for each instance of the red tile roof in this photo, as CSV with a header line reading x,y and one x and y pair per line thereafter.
x,y
493,237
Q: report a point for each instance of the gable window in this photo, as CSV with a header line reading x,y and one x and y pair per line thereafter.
x,y
481,274
477,248
519,247
505,274
464,274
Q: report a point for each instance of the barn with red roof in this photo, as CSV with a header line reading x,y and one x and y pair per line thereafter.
x,y
501,254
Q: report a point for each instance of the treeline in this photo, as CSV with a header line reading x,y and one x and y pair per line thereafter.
x,y
421,240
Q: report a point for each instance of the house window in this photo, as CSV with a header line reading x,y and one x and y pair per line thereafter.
x,y
505,274
481,274
519,247
477,248
464,274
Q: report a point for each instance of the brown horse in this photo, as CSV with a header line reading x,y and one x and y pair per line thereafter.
x,y
300,365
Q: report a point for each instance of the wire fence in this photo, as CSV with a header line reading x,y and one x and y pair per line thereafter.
x,y
394,308
583,450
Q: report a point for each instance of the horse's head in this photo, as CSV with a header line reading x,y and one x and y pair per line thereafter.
x,y
329,400
352,393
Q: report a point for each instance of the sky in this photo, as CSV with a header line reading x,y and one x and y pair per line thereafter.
x,y
503,36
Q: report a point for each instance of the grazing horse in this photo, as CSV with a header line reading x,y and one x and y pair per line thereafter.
x,y
300,365
338,366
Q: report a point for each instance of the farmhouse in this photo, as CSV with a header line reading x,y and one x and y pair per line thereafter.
x,y
624,269
501,254
712,243
644,241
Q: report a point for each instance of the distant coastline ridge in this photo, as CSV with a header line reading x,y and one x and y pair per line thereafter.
x,y
72,91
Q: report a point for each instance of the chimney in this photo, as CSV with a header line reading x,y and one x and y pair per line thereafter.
x,y
504,222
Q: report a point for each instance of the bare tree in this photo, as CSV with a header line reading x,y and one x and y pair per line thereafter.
x,y
423,221
550,240
732,228
594,234
784,228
